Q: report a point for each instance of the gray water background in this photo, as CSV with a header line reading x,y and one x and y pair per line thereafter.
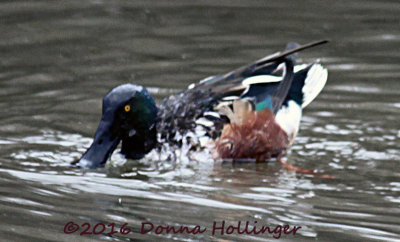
x,y
59,58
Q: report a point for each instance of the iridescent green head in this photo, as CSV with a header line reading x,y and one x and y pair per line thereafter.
x,y
129,115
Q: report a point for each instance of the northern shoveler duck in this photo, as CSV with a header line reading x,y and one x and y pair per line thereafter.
x,y
252,112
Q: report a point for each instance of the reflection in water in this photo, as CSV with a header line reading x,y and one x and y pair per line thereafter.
x,y
58,61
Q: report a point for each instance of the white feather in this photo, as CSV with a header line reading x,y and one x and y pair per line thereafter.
x,y
230,98
288,117
205,122
269,78
191,86
297,68
261,79
206,79
210,113
315,81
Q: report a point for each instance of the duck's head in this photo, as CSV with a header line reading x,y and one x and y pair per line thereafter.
x,y
129,115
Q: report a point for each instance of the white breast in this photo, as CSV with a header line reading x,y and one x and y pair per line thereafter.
x,y
288,117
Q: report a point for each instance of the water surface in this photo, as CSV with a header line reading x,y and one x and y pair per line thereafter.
x,y
58,59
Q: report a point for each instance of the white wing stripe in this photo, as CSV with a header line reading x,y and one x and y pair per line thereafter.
x,y
261,79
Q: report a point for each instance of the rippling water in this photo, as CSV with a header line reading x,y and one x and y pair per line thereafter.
x,y
58,59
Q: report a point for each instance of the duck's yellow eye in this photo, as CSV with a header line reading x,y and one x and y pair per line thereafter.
x,y
127,108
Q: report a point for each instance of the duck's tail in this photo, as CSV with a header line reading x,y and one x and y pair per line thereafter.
x,y
315,81
308,81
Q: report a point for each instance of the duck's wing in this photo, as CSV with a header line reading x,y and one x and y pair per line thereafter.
x,y
269,65
260,81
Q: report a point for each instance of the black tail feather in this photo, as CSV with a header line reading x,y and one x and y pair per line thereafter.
x,y
282,55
